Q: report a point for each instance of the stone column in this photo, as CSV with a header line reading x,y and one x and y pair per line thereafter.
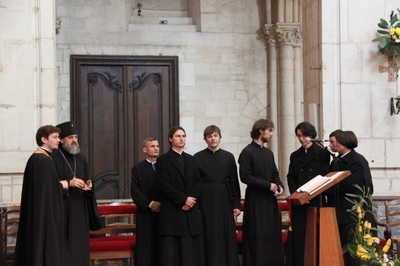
x,y
287,38
272,87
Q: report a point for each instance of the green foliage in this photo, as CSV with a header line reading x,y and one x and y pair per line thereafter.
x,y
390,37
364,247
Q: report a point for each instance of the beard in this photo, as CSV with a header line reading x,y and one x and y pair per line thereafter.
x,y
72,149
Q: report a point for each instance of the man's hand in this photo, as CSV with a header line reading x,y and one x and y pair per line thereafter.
x,y
64,184
190,202
236,212
279,191
77,182
88,185
155,206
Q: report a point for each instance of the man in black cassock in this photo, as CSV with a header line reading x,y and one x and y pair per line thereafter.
x,y
181,227
219,200
40,238
262,222
146,195
310,160
348,159
72,167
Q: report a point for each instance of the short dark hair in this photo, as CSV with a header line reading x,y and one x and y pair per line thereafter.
x,y
307,129
211,129
347,139
260,124
173,130
45,132
334,133
144,143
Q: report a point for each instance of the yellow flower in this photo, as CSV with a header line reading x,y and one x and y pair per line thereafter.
x,y
369,242
362,253
358,209
360,216
385,249
392,30
376,239
367,236
367,224
359,229
398,31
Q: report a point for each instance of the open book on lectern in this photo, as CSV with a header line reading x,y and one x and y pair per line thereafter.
x,y
316,186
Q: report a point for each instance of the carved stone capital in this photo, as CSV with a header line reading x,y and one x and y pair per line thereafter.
x,y
270,34
281,34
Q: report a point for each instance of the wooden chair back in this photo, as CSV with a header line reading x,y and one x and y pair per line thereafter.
x,y
392,211
117,240
11,222
118,219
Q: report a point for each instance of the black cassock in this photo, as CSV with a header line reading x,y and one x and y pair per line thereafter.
x,y
262,222
40,239
360,175
303,167
220,194
76,214
144,189
181,231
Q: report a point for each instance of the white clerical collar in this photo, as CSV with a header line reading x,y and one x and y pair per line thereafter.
x,y
212,150
150,161
341,156
180,153
43,148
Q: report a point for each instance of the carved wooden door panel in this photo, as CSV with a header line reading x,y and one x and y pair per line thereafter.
x,y
116,103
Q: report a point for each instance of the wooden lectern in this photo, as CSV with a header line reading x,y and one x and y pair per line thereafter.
x,y
322,245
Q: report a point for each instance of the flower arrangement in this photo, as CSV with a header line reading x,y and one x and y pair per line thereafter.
x,y
390,37
364,246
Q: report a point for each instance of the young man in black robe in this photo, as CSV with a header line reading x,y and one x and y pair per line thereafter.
x,y
349,159
262,222
219,200
40,238
146,195
306,163
72,167
181,227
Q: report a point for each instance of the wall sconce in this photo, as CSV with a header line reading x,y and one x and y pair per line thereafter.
x,y
139,12
395,105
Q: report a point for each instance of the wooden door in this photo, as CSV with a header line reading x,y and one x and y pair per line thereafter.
x,y
116,103
312,57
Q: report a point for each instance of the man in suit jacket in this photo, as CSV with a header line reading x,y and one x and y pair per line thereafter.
x,y
180,218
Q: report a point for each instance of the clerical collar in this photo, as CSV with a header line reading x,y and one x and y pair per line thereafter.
x,y
149,161
341,156
43,148
212,150
180,153
261,146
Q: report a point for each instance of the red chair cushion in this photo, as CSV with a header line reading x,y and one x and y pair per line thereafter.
x,y
112,243
116,209
284,237
382,242
283,205
239,236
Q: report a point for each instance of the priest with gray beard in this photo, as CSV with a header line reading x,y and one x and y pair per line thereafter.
x,y
72,166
